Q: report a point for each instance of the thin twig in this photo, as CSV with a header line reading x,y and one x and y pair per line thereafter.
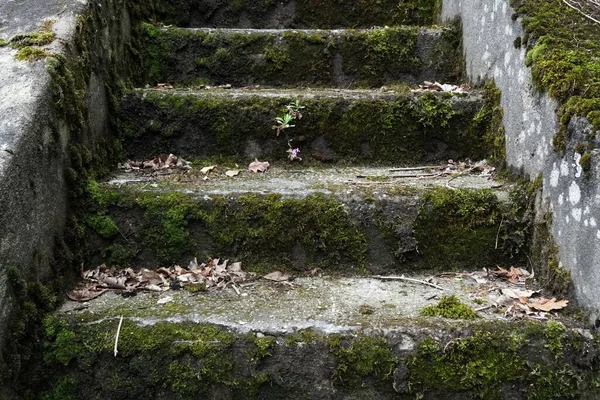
x,y
484,308
397,176
498,233
117,335
403,278
236,289
414,168
581,12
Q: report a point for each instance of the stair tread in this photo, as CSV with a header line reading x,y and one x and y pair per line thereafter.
x,y
384,92
337,31
298,183
327,304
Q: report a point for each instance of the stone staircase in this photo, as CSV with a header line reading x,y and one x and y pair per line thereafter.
x,y
368,198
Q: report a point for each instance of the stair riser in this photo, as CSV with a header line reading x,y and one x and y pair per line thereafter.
x,y
398,129
186,360
298,13
350,233
289,58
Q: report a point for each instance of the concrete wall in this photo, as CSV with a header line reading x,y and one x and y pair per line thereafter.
x,y
37,132
530,122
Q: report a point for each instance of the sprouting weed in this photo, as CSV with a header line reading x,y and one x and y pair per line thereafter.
x,y
292,112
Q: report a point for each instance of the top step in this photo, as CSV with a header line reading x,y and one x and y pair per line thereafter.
x,y
297,13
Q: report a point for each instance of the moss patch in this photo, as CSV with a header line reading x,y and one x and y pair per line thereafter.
x,y
449,307
358,58
563,51
331,14
489,121
401,129
458,228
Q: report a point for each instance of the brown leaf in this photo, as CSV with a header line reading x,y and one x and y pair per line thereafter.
x,y
549,305
259,166
208,169
84,294
517,294
276,276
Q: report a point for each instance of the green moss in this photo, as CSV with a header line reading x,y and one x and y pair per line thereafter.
x,y
103,225
400,130
363,357
458,228
40,38
488,122
449,307
555,337
259,230
3,43
118,255
544,254
31,54
331,14
586,161
563,51
370,58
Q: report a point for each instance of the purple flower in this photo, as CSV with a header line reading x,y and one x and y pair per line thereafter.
x,y
294,154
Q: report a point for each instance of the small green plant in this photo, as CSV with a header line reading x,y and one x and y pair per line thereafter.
x,y
292,112
450,307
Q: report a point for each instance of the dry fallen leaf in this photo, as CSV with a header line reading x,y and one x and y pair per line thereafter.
x,y
233,172
518,294
258,166
84,294
208,169
549,305
276,276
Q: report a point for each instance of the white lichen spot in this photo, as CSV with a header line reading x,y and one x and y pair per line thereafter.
x,y
567,219
561,199
564,168
554,175
586,210
598,234
578,169
586,223
574,193
507,56
593,223
576,213
521,77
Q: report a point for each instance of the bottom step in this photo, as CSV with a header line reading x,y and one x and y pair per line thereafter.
x,y
316,338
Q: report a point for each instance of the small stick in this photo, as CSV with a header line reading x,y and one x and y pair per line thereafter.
x,y
498,234
403,278
414,168
117,335
484,308
398,176
236,289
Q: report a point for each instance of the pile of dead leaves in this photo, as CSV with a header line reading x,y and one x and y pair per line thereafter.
x,y
520,304
517,303
165,163
442,87
211,276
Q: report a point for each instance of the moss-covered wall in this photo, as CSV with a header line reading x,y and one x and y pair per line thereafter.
x,y
68,139
398,129
180,360
368,58
298,14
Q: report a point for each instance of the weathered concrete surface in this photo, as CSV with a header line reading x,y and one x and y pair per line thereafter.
x,y
37,131
318,338
530,121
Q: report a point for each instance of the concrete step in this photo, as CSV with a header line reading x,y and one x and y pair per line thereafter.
x,y
339,58
347,220
315,338
297,13
336,126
